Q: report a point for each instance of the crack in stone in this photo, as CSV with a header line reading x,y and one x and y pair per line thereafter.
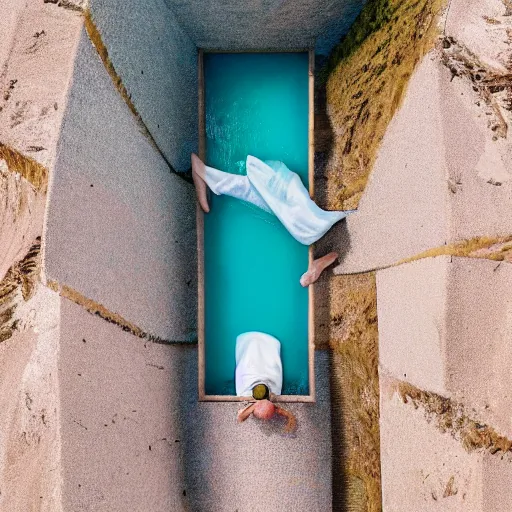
x,y
451,417
488,248
97,309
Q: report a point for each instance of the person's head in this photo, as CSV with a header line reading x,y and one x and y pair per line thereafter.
x,y
264,409
260,392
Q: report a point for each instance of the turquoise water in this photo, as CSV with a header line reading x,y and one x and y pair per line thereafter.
x,y
255,104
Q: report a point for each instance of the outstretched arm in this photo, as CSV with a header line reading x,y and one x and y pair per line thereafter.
x,y
243,414
292,422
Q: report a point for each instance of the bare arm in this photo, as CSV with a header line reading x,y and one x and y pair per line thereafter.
x,y
243,414
292,422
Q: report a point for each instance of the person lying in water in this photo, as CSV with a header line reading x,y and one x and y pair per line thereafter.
x,y
259,376
275,189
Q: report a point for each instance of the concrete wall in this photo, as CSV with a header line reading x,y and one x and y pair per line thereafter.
x,y
444,326
157,62
427,470
120,226
265,24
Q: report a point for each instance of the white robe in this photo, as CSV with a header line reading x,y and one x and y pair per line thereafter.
x,y
258,361
274,188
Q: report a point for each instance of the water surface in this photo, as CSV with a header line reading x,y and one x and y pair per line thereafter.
x,y
255,104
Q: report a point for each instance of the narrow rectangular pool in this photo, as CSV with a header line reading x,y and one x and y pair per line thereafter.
x,y
257,104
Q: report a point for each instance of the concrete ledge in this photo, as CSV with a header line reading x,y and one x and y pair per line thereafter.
x,y
120,227
411,308
396,218
253,24
443,323
444,168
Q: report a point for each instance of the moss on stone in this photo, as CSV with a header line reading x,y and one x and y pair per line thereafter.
x,y
366,78
18,285
32,171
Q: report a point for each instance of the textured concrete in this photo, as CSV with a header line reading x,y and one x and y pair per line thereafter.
x,y
38,64
21,217
157,62
396,217
426,470
411,310
120,227
29,405
11,10
443,326
479,327
265,24
134,436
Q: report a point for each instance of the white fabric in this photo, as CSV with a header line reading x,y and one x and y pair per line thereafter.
x,y
234,185
274,188
258,361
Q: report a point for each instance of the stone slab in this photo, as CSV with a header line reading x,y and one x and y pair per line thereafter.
x,y
444,326
268,24
441,175
35,77
403,210
411,309
134,435
157,62
120,227
29,405
428,470
478,343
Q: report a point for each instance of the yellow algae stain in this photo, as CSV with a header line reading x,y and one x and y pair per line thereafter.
x,y
32,171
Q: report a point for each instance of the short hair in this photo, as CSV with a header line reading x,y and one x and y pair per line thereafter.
x,y
260,392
